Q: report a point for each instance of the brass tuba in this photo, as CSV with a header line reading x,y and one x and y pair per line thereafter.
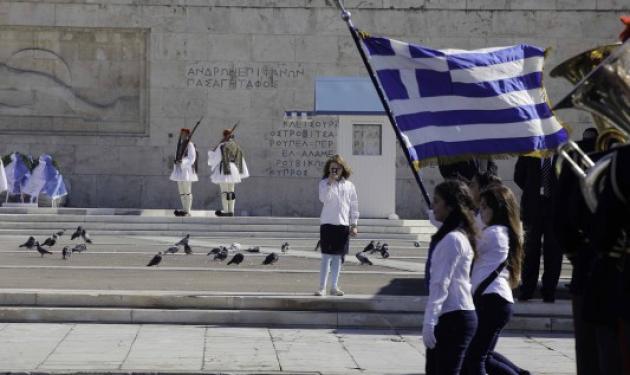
x,y
603,90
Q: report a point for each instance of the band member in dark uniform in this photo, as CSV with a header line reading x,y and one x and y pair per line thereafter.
x,y
535,177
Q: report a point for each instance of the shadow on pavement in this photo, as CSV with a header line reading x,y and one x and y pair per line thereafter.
x,y
404,287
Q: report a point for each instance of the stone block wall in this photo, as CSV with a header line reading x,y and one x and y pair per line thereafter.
x,y
248,61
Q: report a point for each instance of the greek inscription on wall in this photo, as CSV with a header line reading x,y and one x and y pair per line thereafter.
x,y
230,76
301,147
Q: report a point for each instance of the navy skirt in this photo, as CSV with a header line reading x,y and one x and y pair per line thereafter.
x,y
334,239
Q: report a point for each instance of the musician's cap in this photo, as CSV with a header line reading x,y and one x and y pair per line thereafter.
x,y
185,130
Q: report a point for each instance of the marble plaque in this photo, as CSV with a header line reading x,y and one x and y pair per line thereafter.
x,y
72,80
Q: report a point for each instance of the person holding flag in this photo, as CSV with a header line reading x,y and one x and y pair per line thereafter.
x,y
450,320
185,171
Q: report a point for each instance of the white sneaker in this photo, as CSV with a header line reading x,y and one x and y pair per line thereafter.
x,y
336,292
320,293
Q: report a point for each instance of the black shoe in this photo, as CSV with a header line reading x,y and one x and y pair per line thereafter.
x,y
220,213
178,212
524,297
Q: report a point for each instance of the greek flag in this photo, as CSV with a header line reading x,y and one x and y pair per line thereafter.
x,y
465,103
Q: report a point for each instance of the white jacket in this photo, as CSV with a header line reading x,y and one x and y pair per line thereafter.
x,y
492,250
341,204
184,171
217,177
450,288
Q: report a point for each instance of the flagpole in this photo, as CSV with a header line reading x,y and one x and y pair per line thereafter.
x,y
345,15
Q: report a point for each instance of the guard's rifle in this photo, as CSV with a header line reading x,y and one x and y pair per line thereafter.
x,y
181,147
231,132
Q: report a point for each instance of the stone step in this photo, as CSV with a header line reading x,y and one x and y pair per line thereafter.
x,y
120,215
211,227
267,318
247,309
43,221
207,233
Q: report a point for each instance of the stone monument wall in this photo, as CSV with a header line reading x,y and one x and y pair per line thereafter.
x,y
104,86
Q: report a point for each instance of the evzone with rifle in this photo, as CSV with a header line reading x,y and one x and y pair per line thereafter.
x,y
228,168
185,169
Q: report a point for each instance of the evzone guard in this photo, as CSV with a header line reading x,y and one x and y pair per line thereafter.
x,y
228,168
185,170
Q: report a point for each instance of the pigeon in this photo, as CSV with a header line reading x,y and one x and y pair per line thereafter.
x,y
271,259
235,246
55,236
369,247
155,260
385,250
49,242
374,249
255,249
318,245
86,236
30,243
60,233
41,250
377,248
77,233
237,259
363,259
285,247
79,248
172,250
183,241
188,249
215,250
65,253
222,255
416,243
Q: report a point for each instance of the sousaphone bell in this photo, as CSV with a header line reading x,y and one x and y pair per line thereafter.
x,y
604,91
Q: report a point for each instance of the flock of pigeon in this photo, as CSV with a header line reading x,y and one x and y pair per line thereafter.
x,y
216,254
220,253
66,252
371,248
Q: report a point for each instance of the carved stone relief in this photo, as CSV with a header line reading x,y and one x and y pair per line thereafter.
x,y
73,80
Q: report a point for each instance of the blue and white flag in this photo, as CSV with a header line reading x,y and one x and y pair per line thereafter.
x,y
17,174
46,179
4,185
465,103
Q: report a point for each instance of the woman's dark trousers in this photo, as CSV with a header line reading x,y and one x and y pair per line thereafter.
x,y
453,334
493,313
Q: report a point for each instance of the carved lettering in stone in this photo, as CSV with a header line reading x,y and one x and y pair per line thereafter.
x,y
229,76
301,147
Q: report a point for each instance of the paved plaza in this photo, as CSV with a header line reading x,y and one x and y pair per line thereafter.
x,y
117,263
129,348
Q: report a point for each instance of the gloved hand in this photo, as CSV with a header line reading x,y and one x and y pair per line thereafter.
x,y
428,335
